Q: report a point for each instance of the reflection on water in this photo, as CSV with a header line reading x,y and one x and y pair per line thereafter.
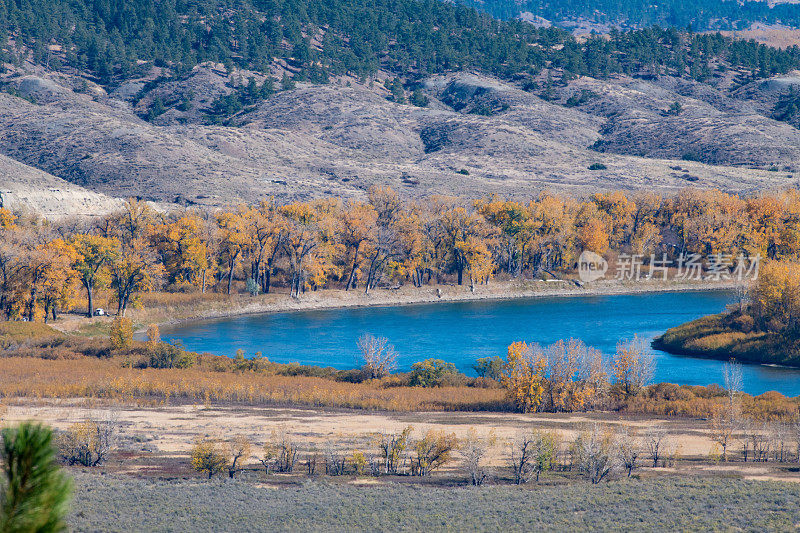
x,y
461,332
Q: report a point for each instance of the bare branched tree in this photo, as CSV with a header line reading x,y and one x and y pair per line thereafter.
x,y
533,453
597,455
727,420
238,453
473,449
655,442
378,357
630,450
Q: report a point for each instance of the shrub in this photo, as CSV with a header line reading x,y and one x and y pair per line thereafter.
x,y
121,333
431,372
87,443
432,451
34,493
209,457
165,355
280,453
254,364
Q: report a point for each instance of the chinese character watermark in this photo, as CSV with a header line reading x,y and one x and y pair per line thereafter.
x,y
686,267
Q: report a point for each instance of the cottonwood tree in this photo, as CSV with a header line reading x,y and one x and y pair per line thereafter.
x,y
268,230
234,239
182,249
301,240
93,254
377,356
134,270
524,376
358,227
634,366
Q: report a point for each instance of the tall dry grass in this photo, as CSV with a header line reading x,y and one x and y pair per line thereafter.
x,y
105,378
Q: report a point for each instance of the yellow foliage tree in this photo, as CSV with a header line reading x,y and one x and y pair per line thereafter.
x,y
523,376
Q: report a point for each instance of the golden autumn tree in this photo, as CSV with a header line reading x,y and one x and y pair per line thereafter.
x,y
358,227
135,269
182,249
478,259
301,240
46,268
59,280
234,239
523,376
268,230
93,254
775,298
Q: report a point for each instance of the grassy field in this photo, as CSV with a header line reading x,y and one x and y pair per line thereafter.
x,y
110,503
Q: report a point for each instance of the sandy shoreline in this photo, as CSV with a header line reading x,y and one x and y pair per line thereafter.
x,y
409,295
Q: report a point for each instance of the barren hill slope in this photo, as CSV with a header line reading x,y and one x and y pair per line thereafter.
x,y
476,136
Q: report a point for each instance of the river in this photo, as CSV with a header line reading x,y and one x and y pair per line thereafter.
x,y
462,332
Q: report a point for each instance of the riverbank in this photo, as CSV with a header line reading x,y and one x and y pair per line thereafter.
x,y
182,308
714,337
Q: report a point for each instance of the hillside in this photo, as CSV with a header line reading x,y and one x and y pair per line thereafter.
x,y
206,105
476,135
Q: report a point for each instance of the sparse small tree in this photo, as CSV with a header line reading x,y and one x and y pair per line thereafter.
x,y
727,419
153,337
532,454
280,453
630,450
655,443
474,448
597,455
238,453
392,446
378,357
87,443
